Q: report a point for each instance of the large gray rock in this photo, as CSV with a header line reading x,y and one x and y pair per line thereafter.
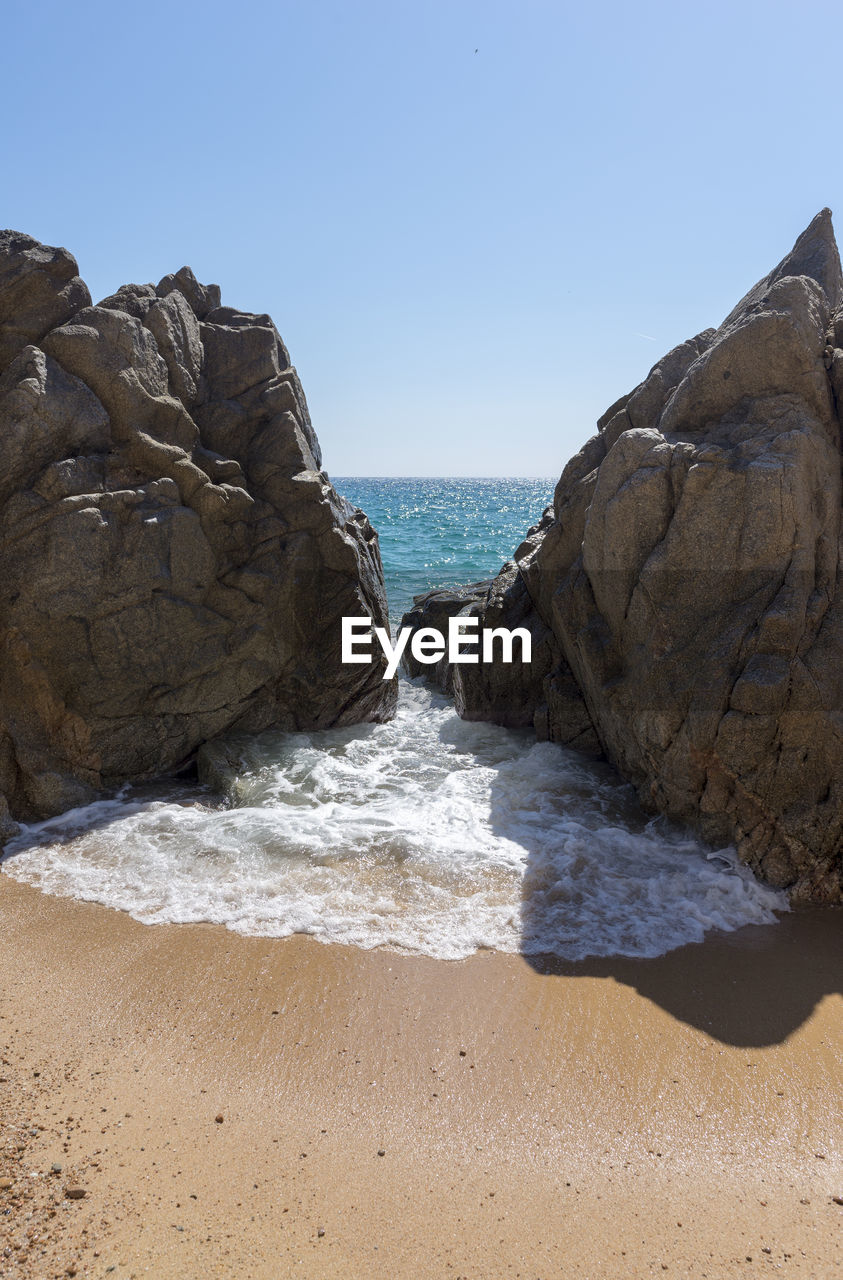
x,y
175,562
690,574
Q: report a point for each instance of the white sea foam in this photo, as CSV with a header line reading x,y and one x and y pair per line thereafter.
x,y
428,834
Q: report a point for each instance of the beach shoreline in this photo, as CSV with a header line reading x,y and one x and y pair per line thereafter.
x,y
392,1115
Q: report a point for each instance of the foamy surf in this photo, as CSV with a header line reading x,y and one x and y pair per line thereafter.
x,y
428,834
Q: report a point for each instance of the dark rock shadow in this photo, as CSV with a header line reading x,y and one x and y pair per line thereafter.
x,y
752,987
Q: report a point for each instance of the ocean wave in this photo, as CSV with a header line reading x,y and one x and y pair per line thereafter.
x,y
429,834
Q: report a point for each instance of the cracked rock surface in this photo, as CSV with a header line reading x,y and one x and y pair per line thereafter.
x,y
175,562
686,586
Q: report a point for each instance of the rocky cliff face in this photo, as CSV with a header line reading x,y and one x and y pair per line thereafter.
x,y
175,563
687,584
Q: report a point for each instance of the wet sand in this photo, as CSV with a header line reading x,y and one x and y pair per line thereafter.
x,y
391,1116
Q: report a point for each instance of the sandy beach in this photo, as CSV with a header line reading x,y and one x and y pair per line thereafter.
x,y
261,1108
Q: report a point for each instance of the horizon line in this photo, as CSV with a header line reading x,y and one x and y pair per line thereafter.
x,y
406,476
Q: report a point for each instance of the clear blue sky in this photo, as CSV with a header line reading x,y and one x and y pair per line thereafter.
x,y
469,254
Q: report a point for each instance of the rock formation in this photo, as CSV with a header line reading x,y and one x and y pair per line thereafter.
x,y
687,584
175,562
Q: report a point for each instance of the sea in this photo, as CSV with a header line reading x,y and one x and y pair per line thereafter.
x,y
429,835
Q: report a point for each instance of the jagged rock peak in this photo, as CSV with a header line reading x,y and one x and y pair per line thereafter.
x,y
815,255
202,298
40,287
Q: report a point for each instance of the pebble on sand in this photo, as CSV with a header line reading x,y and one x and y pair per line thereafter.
x,y
75,1193
218,1119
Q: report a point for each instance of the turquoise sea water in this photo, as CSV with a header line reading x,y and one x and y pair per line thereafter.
x,y
444,533
428,834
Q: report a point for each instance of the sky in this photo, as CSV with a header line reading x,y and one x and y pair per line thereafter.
x,y
475,223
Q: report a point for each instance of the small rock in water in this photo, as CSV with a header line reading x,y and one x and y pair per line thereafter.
x,y
75,1193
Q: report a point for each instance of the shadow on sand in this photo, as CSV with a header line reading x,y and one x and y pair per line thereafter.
x,y
751,988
